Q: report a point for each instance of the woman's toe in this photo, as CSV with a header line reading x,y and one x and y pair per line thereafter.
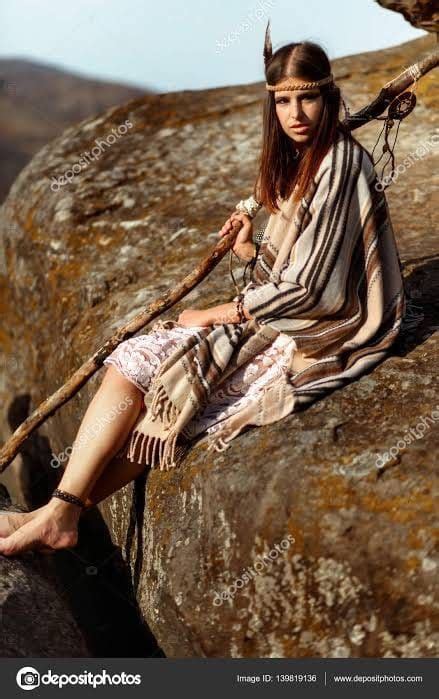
x,y
37,535
11,521
19,541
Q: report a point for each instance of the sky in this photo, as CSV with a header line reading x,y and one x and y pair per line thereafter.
x,y
169,45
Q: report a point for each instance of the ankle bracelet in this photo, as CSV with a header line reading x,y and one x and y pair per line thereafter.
x,y
68,497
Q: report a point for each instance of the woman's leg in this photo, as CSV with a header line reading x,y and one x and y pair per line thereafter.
x,y
55,525
119,472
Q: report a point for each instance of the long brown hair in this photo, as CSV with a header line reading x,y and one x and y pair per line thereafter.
x,y
279,172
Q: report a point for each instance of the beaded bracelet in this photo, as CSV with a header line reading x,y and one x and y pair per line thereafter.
x,y
68,497
249,206
259,235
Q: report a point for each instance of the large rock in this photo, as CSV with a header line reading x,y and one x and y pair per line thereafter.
x,y
36,621
423,14
48,602
356,577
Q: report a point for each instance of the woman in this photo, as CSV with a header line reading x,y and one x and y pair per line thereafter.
x,y
324,304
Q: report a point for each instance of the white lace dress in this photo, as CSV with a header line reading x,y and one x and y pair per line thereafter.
x,y
140,357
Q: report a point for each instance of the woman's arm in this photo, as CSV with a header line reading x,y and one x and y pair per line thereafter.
x,y
247,251
227,313
224,313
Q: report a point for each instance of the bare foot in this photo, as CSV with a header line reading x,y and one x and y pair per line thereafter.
x,y
11,521
53,528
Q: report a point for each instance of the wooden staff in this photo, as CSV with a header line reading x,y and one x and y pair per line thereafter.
x,y
49,406
392,89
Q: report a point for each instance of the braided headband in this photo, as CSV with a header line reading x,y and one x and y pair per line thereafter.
x,y
292,84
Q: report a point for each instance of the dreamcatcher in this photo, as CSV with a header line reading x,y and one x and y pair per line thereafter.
x,y
398,109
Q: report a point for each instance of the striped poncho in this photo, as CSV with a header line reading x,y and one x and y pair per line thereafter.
x,y
328,274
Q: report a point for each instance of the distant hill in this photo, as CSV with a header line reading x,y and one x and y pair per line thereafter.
x,y
38,102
